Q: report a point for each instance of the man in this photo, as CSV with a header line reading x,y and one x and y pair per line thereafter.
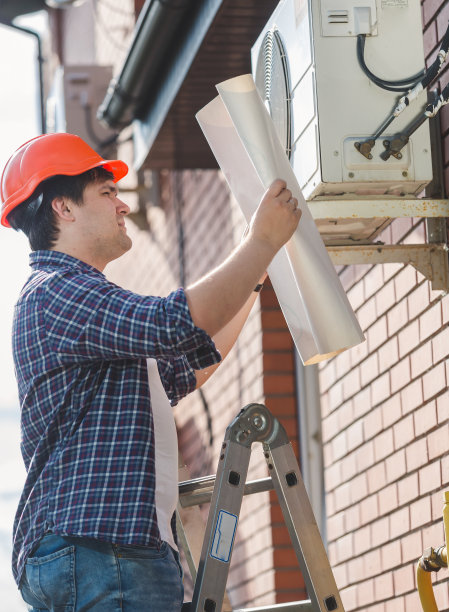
x,y
97,367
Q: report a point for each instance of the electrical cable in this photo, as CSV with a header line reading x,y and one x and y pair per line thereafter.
x,y
401,85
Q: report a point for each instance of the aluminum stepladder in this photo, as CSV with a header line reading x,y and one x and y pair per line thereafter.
x,y
255,423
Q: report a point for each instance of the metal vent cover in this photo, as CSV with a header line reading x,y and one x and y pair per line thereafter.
x,y
273,83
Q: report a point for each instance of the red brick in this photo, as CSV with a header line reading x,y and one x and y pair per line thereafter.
x,y
411,546
425,418
380,531
354,435
429,478
380,389
399,522
388,354
359,488
351,383
430,39
279,384
383,445
437,442
421,359
405,281
430,322
397,317
416,454
403,432
373,281
443,407
412,396
369,369
366,314
440,344
364,456
434,381
342,497
383,586
388,499
369,509
408,338
349,467
404,580
339,446
390,555
349,597
420,512
377,333
395,466
377,477
391,411
362,542
365,594
418,301
344,548
408,489
385,298
372,423
278,362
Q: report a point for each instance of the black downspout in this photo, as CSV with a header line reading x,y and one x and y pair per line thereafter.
x,y
40,62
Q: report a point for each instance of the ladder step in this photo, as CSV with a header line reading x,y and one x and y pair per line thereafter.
x,y
199,490
293,606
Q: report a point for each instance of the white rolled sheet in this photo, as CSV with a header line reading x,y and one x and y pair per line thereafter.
x,y
243,139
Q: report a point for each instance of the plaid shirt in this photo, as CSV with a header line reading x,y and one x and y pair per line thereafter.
x,y
80,345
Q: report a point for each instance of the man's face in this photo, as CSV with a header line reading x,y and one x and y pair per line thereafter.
x,y
101,222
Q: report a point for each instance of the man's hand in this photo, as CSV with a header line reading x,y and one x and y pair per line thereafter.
x,y
218,297
276,217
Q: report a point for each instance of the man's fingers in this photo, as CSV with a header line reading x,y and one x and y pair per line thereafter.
x,y
277,187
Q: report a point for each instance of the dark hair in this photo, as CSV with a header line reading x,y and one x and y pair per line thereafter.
x,y
36,218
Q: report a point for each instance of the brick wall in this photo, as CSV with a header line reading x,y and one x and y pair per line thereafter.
x,y
385,418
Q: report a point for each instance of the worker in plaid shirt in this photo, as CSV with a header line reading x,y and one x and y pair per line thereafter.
x,y
98,369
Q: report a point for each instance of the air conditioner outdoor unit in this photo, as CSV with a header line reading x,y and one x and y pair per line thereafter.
x,y
324,106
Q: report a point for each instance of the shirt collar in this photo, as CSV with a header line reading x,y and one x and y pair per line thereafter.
x,y
55,259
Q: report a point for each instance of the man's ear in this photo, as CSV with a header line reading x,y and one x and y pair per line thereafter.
x,y
63,208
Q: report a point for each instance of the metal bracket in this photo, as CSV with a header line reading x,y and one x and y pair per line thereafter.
x,y
431,260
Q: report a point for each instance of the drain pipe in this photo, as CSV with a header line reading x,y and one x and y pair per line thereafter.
x,y
432,560
40,62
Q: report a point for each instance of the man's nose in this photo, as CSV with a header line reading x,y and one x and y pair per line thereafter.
x,y
122,208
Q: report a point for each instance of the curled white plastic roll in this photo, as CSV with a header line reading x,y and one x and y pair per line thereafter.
x,y
243,139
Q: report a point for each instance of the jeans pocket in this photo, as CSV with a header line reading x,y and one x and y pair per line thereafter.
x,y
51,579
142,552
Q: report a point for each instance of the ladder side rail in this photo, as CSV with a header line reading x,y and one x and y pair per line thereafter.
x,y
221,526
302,527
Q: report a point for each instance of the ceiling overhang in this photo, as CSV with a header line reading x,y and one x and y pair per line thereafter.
x,y
179,52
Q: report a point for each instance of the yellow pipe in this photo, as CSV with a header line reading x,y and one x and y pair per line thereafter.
x,y
425,590
432,560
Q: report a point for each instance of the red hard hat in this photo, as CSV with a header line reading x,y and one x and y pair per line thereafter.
x,y
43,157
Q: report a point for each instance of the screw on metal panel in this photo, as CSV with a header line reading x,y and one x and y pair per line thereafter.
x,y
404,173
351,174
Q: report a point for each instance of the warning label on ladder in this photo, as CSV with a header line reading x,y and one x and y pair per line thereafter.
x,y
224,536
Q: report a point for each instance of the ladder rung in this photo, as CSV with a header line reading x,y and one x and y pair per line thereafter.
x,y
199,490
293,606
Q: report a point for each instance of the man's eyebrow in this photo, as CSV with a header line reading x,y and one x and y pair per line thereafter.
x,y
111,188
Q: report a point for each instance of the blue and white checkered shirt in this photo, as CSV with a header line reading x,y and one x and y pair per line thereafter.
x,y
80,345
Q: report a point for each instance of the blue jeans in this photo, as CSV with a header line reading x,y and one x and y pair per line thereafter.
x,y
69,574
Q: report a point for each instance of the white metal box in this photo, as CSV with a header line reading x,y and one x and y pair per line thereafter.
x,y
321,101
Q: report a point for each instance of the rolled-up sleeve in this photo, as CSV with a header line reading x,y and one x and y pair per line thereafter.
x,y
87,317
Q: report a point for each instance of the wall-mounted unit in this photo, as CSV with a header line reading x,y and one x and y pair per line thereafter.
x,y
73,101
306,68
